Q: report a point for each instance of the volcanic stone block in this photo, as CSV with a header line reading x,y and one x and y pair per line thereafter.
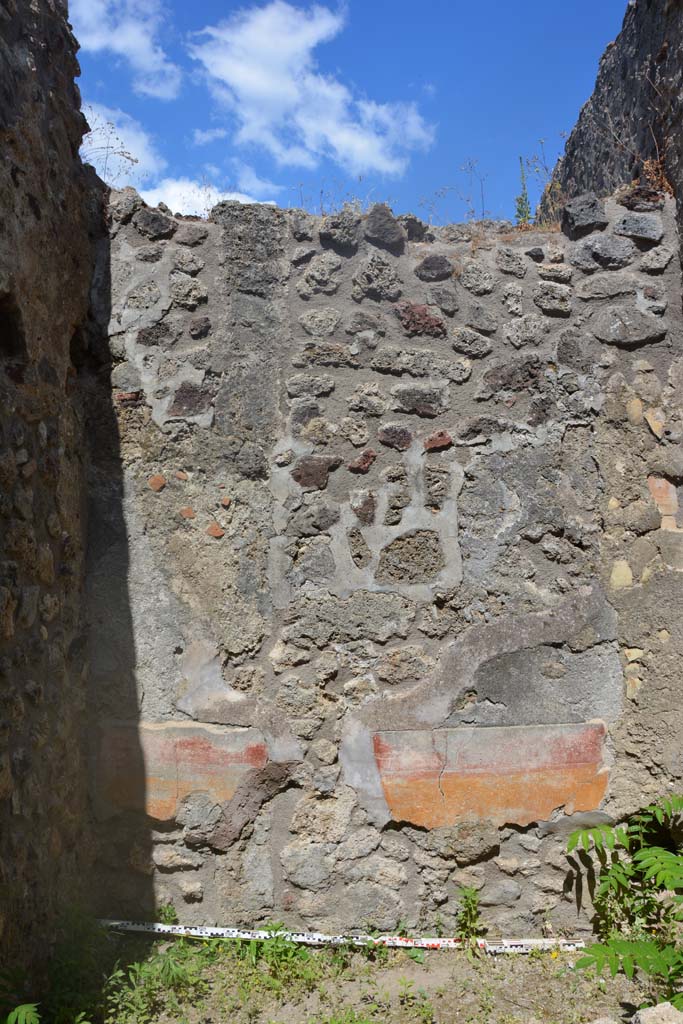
x,y
434,268
153,223
481,319
656,261
320,323
607,251
445,298
510,262
153,766
476,278
320,276
584,214
413,558
470,343
376,279
421,399
341,230
627,328
553,299
382,228
504,775
644,227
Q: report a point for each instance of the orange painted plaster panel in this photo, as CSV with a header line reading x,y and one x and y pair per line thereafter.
x,y
515,774
153,766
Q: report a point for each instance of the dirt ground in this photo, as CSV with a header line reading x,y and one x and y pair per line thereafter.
x,y
448,988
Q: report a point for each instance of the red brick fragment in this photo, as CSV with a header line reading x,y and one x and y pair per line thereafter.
x,y
214,530
313,471
127,397
180,474
363,462
437,441
187,512
156,483
226,502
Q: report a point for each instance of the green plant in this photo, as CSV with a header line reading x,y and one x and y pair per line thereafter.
x,y
632,871
522,204
424,1008
277,952
137,994
26,1014
405,991
662,965
374,951
468,923
634,874
167,914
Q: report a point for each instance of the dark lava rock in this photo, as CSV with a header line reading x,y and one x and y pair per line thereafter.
x,y
154,224
434,268
383,229
644,227
584,214
395,435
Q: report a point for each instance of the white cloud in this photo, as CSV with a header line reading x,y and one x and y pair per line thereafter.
x,y
248,179
119,148
260,67
129,29
123,153
183,195
203,136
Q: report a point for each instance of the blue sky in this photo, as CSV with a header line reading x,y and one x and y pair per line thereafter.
x,y
422,106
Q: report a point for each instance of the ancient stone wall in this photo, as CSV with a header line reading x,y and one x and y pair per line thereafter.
x,y
45,268
401,552
630,126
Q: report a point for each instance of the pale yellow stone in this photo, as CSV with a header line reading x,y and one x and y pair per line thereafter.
x,y
633,684
664,635
634,411
634,653
621,575
656,421
646,574
613,504
669,523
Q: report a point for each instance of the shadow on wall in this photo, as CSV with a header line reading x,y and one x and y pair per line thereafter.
x,y
53,376
116,776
